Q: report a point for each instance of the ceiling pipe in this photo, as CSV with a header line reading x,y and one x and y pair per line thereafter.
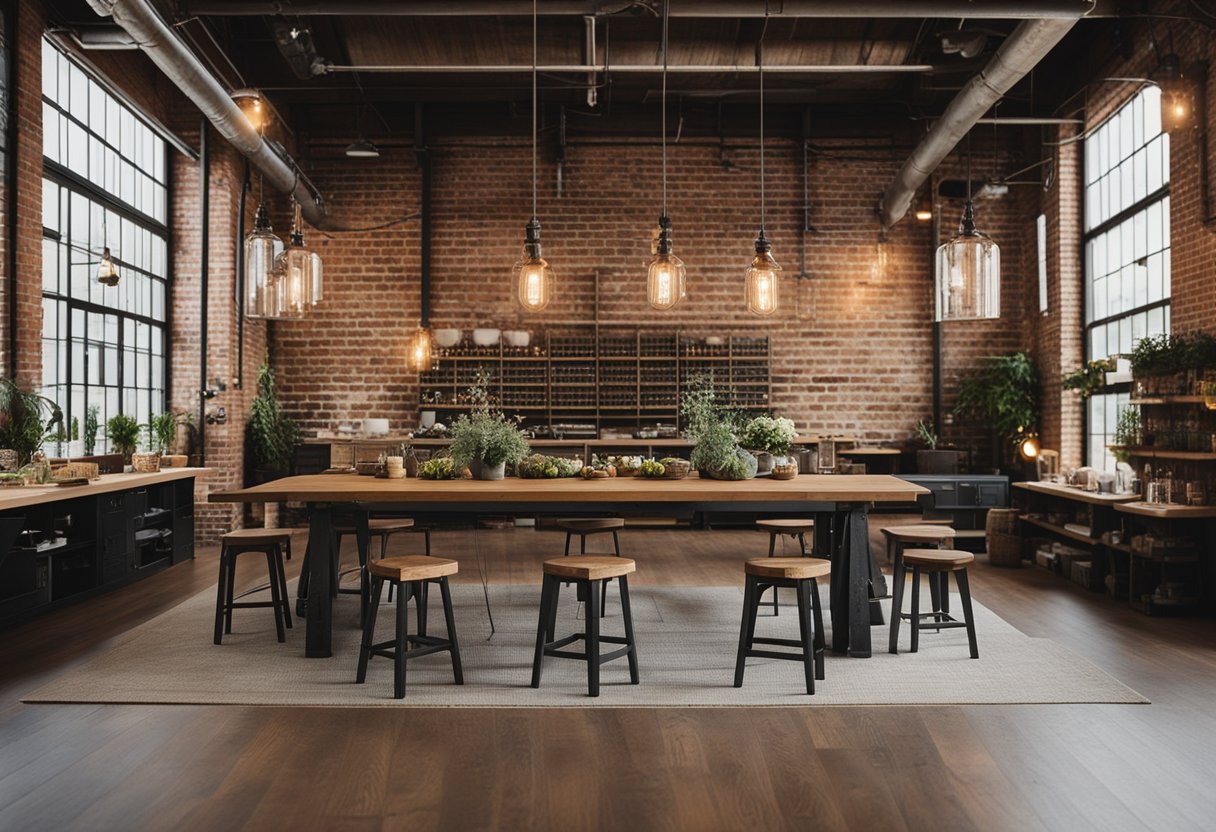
x,y
1015,58
631,69
189,75
970,9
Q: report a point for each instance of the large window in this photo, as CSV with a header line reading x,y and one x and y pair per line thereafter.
x,y
1127,248
104,185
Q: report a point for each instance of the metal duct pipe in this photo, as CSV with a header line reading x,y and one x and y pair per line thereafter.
x,y
167,51
632,69
1016,57
971,9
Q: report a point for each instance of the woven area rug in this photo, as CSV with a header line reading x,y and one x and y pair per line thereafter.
x,y
687,637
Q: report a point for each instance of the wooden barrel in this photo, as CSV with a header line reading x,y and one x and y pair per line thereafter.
x,y
1001,533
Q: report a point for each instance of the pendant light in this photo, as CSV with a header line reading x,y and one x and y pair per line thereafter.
x,y
107,272
418,352
665,280
298,275
761,279
262,245
533,276
968,270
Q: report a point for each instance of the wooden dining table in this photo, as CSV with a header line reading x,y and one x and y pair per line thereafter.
x,y
839,503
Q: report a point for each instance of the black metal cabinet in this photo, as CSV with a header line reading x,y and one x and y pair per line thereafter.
x,y
966,498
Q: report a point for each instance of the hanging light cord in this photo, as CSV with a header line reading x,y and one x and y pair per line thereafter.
x,y
760,63
664,101
968,167
534,39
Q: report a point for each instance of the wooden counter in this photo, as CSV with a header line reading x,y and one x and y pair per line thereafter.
x,y
35,495
1173,511
1079,495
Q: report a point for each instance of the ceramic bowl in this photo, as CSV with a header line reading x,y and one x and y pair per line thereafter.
x,y
486,337
517,337
447,337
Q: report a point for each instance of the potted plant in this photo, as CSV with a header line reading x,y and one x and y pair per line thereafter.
x,y
123,433
1127,433
91,425
1090,377
485,441
271,436
27,419
162,435
932,459
769,439
1004,396
711,427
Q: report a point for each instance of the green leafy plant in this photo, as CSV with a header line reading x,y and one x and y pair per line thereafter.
x,y
1159,355
769,434
651,469
162,431
712,427
1090,377
27,419
439,468
1127,432
926,434
1004,394
91,426
486,436
75,433
272,435
540,466
123,432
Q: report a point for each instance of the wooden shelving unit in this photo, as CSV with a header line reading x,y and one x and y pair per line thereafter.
x,y
610,378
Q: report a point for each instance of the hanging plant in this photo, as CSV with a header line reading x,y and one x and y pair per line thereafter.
x,y
1089,378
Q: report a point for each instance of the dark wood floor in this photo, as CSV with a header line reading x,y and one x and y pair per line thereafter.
x,y
1066,767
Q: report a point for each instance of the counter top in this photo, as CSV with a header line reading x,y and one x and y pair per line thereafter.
x,y
1168,512
34,495
396,439
1079,495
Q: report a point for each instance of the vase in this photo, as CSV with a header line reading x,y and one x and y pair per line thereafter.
x,y
484,471
764,462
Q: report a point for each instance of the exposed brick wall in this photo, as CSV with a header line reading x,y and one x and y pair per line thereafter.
x,y
852,350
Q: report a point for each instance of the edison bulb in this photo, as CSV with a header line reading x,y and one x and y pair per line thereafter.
x,y
418,353
665,286
535,280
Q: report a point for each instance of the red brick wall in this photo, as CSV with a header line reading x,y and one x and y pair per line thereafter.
x,y
852,351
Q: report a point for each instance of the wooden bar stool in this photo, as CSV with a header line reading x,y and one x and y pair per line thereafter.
x,y
409,574
585,572
797,529
270,542
590,526
802,574
923,535
940,562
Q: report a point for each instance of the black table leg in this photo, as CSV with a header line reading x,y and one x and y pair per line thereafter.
x,y
321,550
858,557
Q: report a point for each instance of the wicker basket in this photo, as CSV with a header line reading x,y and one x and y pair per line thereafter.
x,y
1004,544
145,463
76,470
174,461
676,469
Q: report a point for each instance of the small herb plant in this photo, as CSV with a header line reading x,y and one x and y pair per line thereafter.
x,y
91,427
769,434
162,431
486,436
1127,432
712,427
926,434
123,432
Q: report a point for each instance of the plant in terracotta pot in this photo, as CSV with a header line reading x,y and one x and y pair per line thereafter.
x,y
27,419
485,441
123,432
712,428
769,438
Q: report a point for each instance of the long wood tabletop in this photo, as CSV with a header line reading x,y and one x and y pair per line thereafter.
x,y
839,504
36,495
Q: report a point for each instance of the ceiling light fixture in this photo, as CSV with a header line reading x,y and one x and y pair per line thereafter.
x,y
362,149
251,104
968,269
761,279
1175,95
298,276
533,276
418,352
262,246
665,280
107,272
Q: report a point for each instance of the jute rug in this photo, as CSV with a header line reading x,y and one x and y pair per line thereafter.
x,y
687,638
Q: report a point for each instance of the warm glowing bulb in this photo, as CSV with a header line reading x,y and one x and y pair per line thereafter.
x,y
535,283
418,353
761,281
924,215
665,281
1030,447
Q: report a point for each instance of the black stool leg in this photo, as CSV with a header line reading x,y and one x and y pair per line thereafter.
x,y
915,608
627,613
772,545
548,601
747,627
567,552
276,602
420,596
964,591
403,642
426,541
582,544
221,585
283,596
230,589
369,630
944,579
899,577
802,543
593,641
817,609
450,620
616,543
935,596
808,639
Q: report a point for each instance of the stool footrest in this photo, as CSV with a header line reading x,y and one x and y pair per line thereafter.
x,y
553,648
244,605
776,654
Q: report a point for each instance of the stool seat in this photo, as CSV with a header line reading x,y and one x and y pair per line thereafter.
x,y
938,560
390,524
591,524
790,526
408,568
790,569
919,533
590,567
256,537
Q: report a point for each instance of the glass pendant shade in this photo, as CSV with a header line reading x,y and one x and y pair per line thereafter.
x,y
665,284
761,280
292,283
418,354
533,275
968,275
261,248
107,272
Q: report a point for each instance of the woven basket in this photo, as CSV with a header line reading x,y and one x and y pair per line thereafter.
x,y
145,463
676,470
76,470
1004,544
174,461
